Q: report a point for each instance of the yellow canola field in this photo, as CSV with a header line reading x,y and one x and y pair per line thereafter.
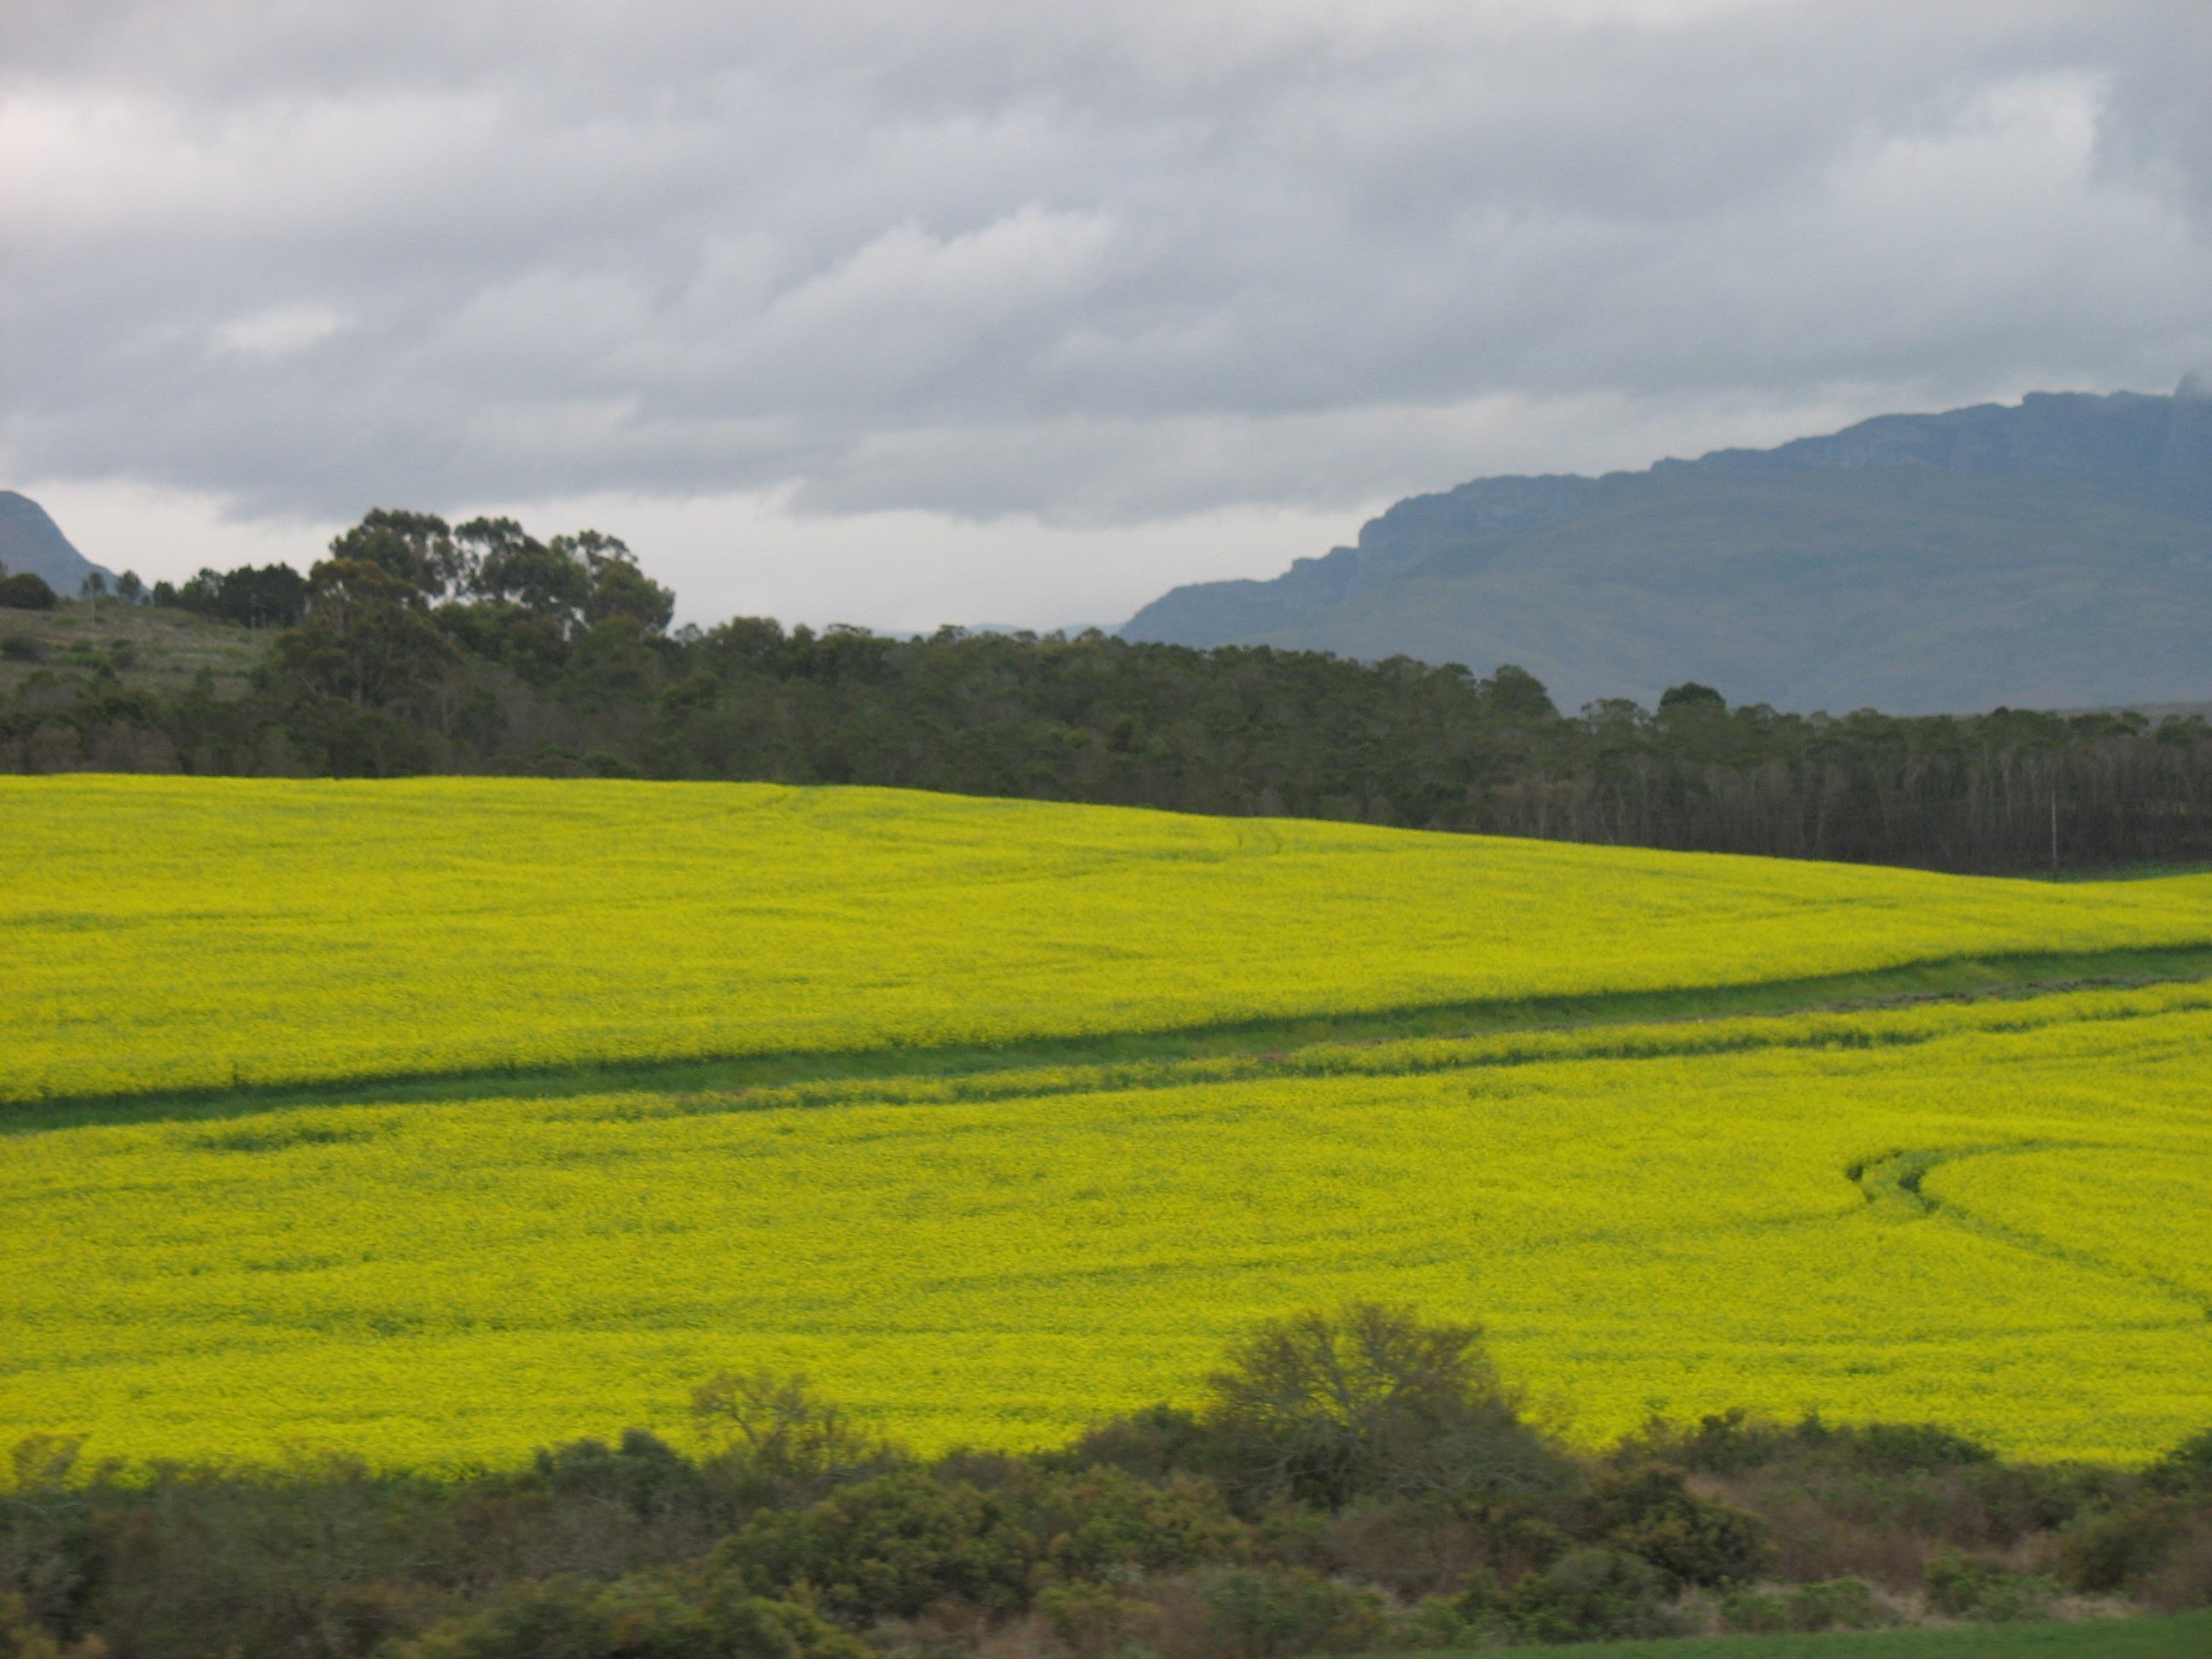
x,y
178,934
1674,1217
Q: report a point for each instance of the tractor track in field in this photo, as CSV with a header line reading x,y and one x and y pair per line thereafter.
x,y
1241,1048
1893,1182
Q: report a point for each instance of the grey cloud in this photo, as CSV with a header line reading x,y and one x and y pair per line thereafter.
x,y
1097,265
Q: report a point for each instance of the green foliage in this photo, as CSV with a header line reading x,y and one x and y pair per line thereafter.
x,y
2118,1549
18,1637
778,1442
1239,731
889,1547
1831,1604
1095,1621
1103,1520
1587,1595
1735,1441
1278,1613
366,640
1325,1407
641,1474
2096,1638
1650,1513
616,588
1901,1447
24,590
418,549
592,1553
271,596
1968,1587
1150,1443
2186,1470
670,1617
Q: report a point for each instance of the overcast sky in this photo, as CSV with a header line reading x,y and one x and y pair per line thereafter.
x,y
910,313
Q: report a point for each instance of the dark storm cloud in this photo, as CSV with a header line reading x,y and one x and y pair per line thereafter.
x,y
1105,263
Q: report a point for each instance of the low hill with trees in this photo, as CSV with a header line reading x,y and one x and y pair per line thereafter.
x,y
422,647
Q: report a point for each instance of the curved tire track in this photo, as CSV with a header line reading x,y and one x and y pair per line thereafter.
x,y
1892,1182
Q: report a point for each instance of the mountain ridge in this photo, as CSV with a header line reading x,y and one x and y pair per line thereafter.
x,y
31,541
2054,551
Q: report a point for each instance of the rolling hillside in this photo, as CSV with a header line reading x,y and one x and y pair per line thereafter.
x,y
2054,554
432,1120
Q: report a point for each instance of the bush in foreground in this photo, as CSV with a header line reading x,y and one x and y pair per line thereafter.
x,y
1356,1481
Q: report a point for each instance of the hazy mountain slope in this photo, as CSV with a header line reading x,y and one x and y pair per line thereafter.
x,y
2059,552
30,540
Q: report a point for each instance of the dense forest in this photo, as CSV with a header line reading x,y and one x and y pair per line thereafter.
x,y
422,647
1353,1481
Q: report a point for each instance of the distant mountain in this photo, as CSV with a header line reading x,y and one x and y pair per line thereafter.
x,y
30,540
2057,553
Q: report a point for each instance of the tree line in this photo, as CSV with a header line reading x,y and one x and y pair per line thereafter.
x,y
1351,1481
417,645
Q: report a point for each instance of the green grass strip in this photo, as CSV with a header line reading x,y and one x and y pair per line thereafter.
x,y
2187,1635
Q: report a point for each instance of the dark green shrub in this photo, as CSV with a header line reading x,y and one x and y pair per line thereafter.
x,y
25,591
1651,1513
1435,1623
1734,1441
1103,1519
634,1619
1416,1548
2183,1579
1093,1621
1750,1612
1515,1541
642,1475
21,648
889,1547
2187,1469
2106,1553
1967,1587
1324,1408
1592,1594
779,1442
1836,1604
1275,1614
1754,1613
1907,1448
1151,1444
2016,1499
1833,1604
1723,1442
18,1637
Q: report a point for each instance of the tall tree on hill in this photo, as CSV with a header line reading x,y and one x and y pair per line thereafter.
x,y
265,596
514,567
419,548
618,588
365,638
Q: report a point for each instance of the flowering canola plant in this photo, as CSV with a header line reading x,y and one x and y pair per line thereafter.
x,y
180,933
1987,1213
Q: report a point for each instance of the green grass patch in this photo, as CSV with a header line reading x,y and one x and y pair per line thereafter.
x,y
2189,1635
